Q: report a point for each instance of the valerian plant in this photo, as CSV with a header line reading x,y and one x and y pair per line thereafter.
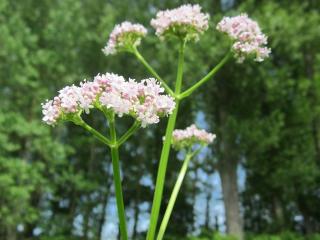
x,y
148,100
190,140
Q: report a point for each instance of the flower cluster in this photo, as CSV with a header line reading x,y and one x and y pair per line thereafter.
x,y
123,37
247,36
190,136
186,22
143,100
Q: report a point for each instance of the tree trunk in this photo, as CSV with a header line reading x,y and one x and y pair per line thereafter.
x,y
309,63
11,233
228,175
278,214
207,216
104,203
102,218
136,219
136,209
227,168
194,196
216,223
86,223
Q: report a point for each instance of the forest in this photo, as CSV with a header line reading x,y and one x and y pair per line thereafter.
x,y
259,180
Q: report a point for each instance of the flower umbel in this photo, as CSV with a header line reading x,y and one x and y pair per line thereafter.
x,y
124,37
186,22
247,36
183,138
143,100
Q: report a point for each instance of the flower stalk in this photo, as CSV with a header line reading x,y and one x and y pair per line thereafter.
x,y
95,133
152,71
206,78
128,134
175,192
117,180
165,151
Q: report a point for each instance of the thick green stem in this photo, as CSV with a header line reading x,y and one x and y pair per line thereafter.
x,y
165,153
128,134
152,71
173,197
206,78
161,174
117,180
180,69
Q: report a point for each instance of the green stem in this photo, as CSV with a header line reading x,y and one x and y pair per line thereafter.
x,y
175,192
152,71
180,69
117,180
207,77
131,131
173,197
165,152
94,132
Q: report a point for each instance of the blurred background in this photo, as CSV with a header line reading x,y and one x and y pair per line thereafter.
x,y
261,178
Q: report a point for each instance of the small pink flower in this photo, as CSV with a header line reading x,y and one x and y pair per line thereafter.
x,y
247,36
69,98
186,21
123,37
51,111
152,103
183,138
88,94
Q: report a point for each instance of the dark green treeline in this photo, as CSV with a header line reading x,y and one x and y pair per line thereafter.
x,y
266,117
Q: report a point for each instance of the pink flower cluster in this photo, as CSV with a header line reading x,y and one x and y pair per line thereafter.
x,y
186,21
143,100
190,136
124,36
247,36
71,99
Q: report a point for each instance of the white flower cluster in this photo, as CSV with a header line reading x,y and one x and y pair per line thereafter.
x,y
183,138
186,21
123,37
143,100
247,36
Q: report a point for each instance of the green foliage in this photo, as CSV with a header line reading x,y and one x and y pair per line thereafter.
x,y
268,116
17,185
313,237
282,236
